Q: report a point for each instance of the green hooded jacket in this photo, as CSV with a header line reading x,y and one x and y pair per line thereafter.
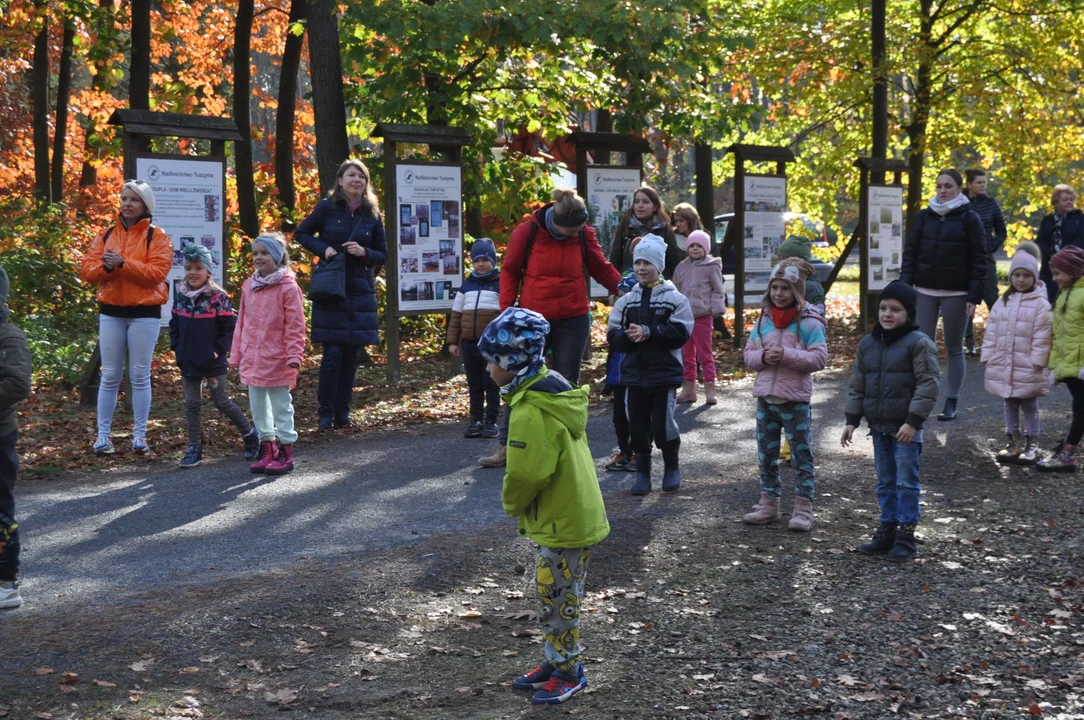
x,y
550,482
1067,353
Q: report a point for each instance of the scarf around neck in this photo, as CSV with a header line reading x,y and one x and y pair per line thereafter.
x,y
259,282
191,293
947,207
890,336
783,317
640,226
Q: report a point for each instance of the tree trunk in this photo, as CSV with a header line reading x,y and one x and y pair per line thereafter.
x,y
328,106
916,130
284,114
242,91
63,93
139,84
39,81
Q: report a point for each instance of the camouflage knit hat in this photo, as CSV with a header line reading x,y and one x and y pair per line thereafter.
x,y
516,341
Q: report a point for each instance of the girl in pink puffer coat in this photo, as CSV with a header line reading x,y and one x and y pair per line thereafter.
x,y
1016,349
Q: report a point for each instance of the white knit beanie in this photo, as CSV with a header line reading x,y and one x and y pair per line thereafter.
x,y
143,190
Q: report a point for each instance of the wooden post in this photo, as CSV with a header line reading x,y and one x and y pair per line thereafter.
x,y
391,270
739,249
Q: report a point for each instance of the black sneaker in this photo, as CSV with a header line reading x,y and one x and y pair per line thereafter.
x,y
490,430
252,445
193,457
619,462
474,430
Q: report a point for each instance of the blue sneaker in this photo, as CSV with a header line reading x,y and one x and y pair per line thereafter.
x,y
560,687
535,678
193,457
103,446
139,445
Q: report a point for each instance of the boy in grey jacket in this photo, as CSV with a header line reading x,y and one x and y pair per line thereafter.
x,y
894,385
14,388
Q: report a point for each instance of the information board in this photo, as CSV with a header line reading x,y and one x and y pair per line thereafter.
x,y
765,227
884,254
188,204
429,236
609,195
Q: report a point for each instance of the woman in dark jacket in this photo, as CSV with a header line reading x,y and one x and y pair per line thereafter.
x,y
347,221
993,224
1059,229
945,260
647,215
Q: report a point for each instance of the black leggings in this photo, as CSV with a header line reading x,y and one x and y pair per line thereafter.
x,y
651,412
1076,429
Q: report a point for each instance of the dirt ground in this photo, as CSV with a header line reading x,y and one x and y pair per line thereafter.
x,y
689,614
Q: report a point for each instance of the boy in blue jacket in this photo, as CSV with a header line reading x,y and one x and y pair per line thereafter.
x,y
551,486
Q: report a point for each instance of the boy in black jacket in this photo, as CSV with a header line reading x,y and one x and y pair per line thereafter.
x,y
14,388
650,325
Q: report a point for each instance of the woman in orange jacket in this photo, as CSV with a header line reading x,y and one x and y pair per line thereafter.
x,y
129,263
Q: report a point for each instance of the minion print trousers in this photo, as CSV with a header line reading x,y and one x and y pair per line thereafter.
x,y
794,419
560,574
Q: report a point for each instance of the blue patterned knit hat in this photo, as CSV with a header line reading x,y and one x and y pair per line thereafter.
x,y
516,341
627,283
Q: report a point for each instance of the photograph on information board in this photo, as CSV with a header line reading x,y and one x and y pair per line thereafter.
x,y
430,244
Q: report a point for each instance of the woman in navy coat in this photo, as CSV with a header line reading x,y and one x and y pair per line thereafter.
x,y
347,221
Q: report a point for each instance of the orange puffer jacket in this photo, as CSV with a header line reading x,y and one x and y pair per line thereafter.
x,y
142,279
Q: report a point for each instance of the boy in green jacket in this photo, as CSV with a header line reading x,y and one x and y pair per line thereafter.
x,y
14,388
551,486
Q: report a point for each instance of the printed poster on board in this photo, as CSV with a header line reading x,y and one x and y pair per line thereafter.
x,y
188,202
884,254
609,196
765,227
429,233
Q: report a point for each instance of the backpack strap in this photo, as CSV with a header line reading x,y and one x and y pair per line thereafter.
x,y
150,235
105,238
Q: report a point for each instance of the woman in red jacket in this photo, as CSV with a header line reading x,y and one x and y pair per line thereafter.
x,y
128,262
543,270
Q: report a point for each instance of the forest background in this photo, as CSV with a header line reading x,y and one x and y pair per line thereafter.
x,y
981,82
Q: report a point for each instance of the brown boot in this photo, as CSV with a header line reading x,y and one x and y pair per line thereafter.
x,y
801,518
767,513
496,460
709,394
688,392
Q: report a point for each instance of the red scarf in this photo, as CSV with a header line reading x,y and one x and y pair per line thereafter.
x,y
783,317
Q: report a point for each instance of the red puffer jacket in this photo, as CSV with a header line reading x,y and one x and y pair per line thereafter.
x,y
553,284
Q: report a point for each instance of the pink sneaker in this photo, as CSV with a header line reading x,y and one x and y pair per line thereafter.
x,y
268,450
283,462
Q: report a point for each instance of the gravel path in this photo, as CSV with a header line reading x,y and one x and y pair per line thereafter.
x,y
354,588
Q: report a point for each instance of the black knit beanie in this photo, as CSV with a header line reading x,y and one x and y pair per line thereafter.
x,y
904,293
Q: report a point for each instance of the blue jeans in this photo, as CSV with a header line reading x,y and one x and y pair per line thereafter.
x,y
136,336
898,484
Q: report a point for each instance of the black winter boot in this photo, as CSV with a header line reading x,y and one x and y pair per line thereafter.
x,y
671,479
642,486
883,540
904,549
949,413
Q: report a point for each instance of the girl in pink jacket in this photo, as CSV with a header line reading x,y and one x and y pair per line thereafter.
x,y
1019,334
267,347
699,278
785,348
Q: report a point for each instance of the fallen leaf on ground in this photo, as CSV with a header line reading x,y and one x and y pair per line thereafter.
x,y
69,678
43,671
103,683
142,665
284,696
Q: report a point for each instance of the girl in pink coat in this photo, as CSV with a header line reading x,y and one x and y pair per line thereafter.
x,y
1019,333
267,347
699,278
785,348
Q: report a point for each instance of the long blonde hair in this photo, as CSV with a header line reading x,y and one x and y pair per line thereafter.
x,y
688,213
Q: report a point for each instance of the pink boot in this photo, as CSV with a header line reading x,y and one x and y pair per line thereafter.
x,y
283,462
268,450
801,518
767,513
687,393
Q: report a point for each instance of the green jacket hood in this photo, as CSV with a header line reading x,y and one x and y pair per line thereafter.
x,y
568,407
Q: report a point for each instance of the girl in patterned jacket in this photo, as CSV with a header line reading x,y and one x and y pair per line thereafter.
x,y
200,335
785,348
1016,349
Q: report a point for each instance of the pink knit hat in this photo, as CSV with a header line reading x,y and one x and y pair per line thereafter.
x,y
701,238
1069,260
1026,257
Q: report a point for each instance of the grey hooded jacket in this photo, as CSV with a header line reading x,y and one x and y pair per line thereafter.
x,y
894,382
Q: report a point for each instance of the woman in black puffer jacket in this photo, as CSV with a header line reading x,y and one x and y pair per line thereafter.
x,y
944,258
